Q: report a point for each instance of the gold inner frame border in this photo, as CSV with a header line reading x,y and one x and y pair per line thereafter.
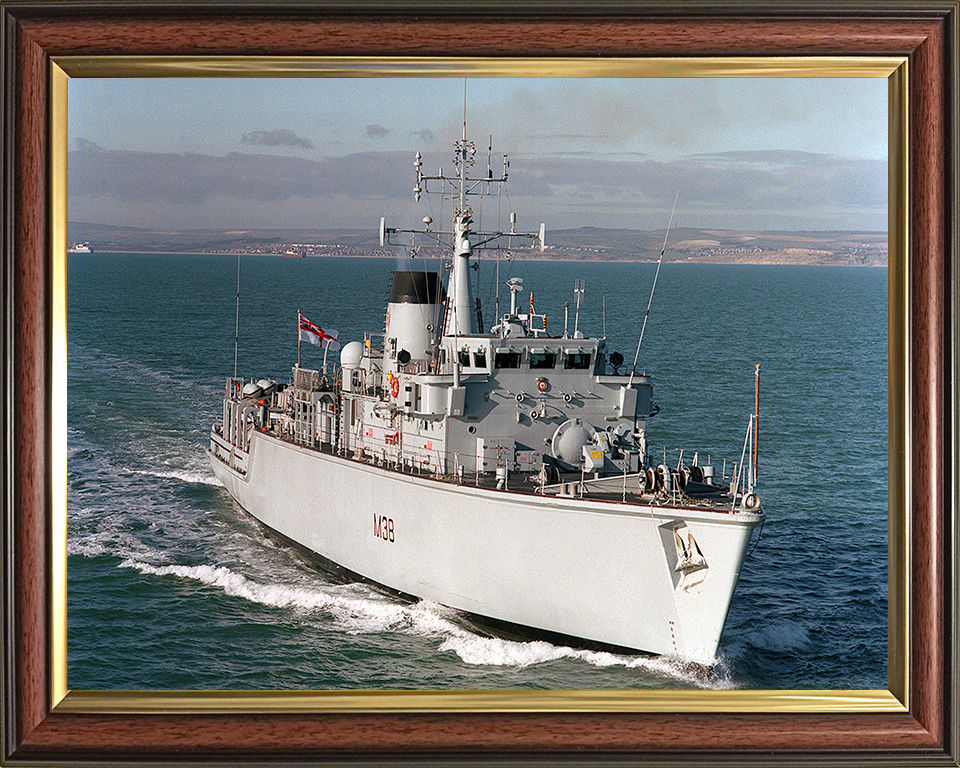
x,y
895,699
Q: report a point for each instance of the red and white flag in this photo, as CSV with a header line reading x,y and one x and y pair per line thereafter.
x,y
314,334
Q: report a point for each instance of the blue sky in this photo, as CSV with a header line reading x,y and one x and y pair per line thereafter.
x,y
338,152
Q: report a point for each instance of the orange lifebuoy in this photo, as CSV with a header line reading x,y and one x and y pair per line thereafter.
x,y
395,386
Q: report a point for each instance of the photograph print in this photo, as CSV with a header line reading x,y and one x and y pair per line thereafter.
x,y
485,383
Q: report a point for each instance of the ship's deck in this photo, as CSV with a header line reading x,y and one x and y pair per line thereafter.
x,y
571,485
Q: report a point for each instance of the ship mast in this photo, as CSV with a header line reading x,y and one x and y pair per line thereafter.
x,y
462,318
462,315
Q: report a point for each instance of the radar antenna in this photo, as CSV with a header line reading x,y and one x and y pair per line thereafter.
x,y
462,238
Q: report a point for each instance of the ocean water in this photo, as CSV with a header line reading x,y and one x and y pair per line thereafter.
x,y
171,586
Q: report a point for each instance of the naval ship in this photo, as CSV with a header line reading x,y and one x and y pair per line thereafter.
x,y
500,471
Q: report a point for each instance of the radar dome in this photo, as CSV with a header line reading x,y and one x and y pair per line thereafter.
x,y
351,354
569,439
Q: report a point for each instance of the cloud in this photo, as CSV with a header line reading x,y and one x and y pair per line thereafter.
x,y
425,134
601,116
747,189
85,145
673,117
581,138
377,131
281,137
756,190
764,156
761,178
149,177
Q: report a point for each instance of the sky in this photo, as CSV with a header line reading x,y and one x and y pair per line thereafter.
x,y
235,153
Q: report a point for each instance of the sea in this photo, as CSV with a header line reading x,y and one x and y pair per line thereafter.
x,y
172,586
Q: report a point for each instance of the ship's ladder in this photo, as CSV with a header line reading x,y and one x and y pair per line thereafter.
x,y
442,327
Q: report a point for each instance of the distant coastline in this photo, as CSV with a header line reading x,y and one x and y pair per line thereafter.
x,y
588,244
526,255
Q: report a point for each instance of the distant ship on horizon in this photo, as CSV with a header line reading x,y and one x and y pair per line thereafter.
x,y
80,248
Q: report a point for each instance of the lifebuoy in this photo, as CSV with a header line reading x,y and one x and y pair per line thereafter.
x,y
236,388
751,501
542,384
395,386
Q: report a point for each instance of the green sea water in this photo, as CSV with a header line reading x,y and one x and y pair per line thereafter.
x,y
170,585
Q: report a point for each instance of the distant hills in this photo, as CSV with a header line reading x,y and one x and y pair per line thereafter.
x,y
685,244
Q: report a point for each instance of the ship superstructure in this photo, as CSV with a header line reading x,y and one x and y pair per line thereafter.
x,y
502,471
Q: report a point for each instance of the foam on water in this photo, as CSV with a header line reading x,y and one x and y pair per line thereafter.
x,y
358,610
187,477
276,595
107,543
491,651
355,608
109,364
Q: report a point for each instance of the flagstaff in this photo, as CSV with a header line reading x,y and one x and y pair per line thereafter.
x,y
313,333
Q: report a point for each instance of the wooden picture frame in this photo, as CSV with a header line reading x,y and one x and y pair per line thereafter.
x,y
916,723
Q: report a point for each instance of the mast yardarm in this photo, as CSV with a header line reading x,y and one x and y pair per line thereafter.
x,y
461,317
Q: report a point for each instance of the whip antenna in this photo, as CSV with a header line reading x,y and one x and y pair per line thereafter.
x,y
655,276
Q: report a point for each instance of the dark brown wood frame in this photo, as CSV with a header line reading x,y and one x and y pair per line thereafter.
x,y
925,32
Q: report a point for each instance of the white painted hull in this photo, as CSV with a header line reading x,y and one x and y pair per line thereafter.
x,y
600,571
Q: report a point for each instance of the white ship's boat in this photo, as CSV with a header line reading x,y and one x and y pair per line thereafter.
x,y
505,473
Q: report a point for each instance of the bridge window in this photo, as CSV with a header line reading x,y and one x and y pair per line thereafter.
x,y
473,359
506,358
578,361
541,359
